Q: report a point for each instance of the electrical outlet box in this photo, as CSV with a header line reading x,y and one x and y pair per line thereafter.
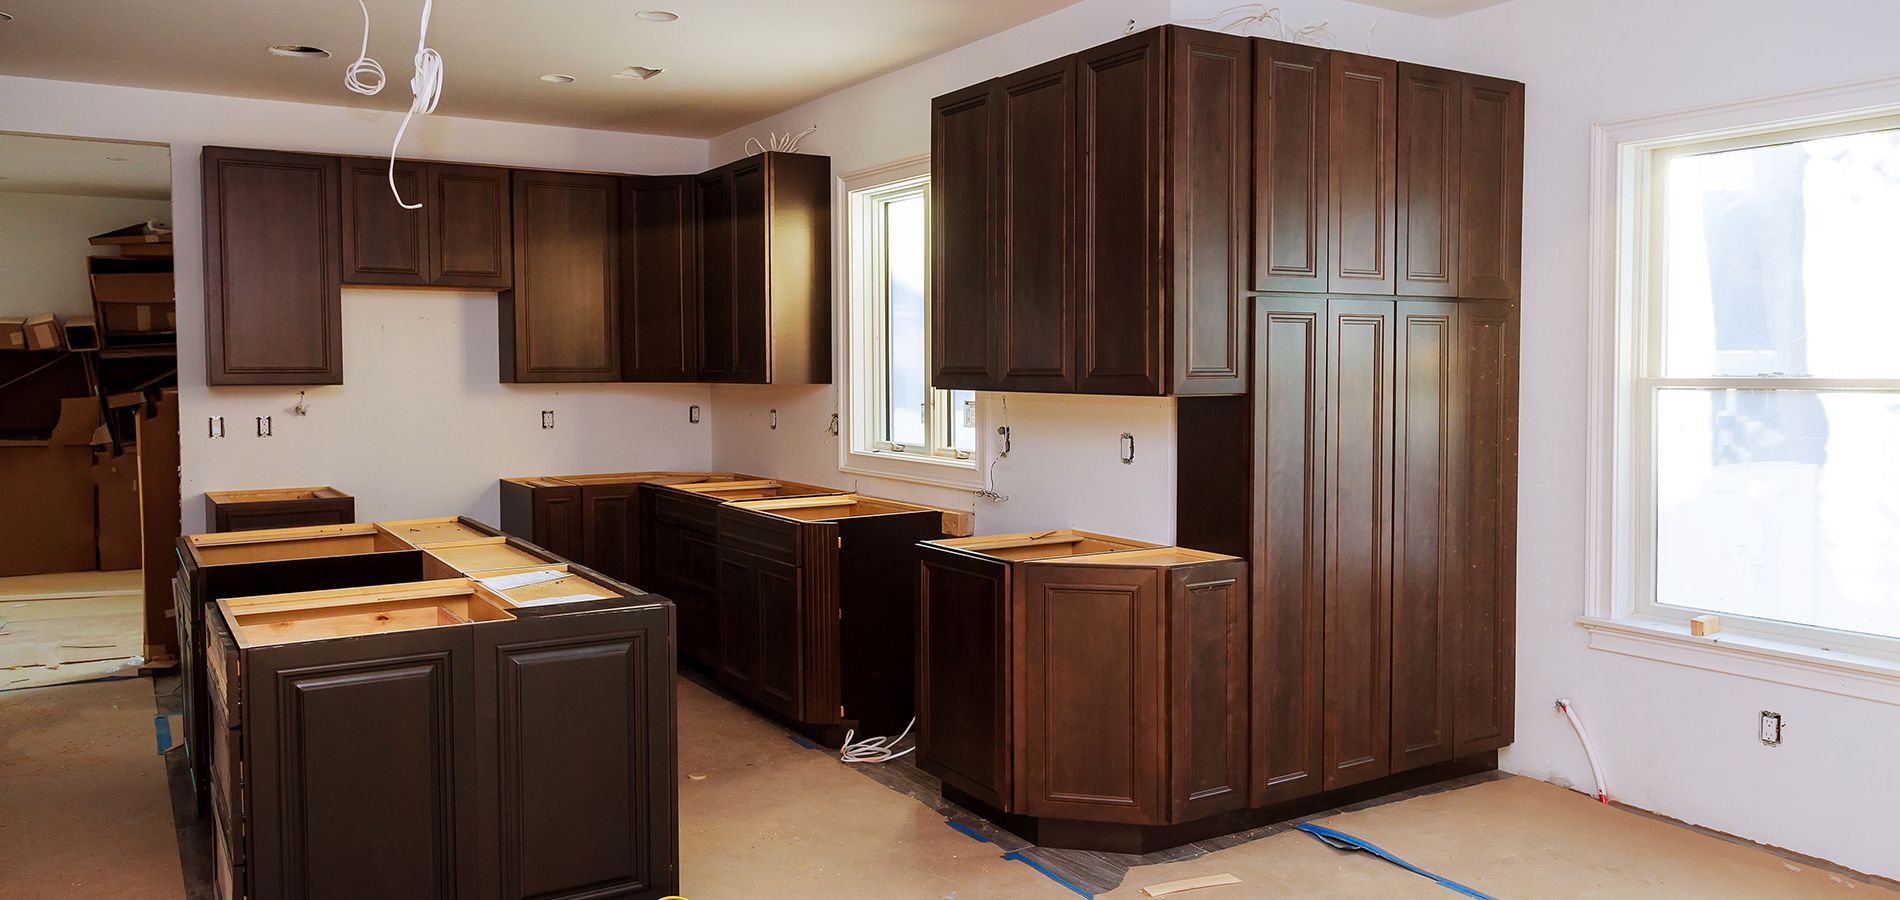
x,y
1771,728
547,419
692,414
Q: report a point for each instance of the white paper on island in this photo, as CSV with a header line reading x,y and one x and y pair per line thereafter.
x,y
521,579
564,598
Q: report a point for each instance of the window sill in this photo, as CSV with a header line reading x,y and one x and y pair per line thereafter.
x,y
957,474
1797,665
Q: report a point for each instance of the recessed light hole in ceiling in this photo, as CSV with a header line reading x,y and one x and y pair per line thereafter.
x,y
558,79
640,73
656,15
299,51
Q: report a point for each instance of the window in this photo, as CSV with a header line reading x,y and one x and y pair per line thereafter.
x,y
1761,388
898,424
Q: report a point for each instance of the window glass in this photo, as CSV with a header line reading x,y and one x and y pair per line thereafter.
x,y
906,371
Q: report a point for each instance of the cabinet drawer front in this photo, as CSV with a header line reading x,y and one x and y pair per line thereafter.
x,y
767,537
676,508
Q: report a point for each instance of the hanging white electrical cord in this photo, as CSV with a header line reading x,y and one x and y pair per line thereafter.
x,y
782,143
1589,751
365,76
874,750
1259,14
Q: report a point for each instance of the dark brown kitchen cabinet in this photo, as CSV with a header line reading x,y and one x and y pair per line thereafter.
x,y
1361,167
560,321
1484,617
278,508
1292,111
547,512
1491,187
1118,704
610,529
658,300
764,270
1428,484
462,235
1091,230
1428,232
273,294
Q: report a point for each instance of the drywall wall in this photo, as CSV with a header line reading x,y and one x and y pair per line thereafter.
x,y
420,425
1677,740
43,247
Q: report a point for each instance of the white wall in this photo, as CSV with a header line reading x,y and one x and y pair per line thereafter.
x,y
43,248
1676,740
420,426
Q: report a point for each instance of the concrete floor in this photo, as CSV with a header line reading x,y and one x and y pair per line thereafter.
x,y
75,626
84,812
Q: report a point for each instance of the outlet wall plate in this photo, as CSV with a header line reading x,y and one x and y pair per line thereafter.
x,y
692,414
547,419
1770,728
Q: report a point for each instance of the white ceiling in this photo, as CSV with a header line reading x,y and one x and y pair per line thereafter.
x,y
30,164
728,62
1437,9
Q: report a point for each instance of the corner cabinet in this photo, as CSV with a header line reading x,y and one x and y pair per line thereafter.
x,y
560,322
764,270
273,295
1092,221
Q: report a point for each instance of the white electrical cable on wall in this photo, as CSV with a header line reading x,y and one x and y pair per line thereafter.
x,y
366,77
874,750
1589,750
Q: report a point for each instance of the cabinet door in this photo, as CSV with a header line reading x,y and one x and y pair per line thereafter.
x,y
1121,327
383,243
1360,163
657,298
1358,541
609,529
1090,738
574,755
1427,487
561,321
471,234
964,175
1491,188
1207,614
1289,534
1210,105
782,642
751,322
718,274
273,294
1428,223
963,687
1486,614
1036,222
1292,99
363,767
739,614
558,523
685,569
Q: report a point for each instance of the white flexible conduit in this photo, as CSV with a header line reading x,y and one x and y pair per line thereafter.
x,y
1589,750
874,750
365,76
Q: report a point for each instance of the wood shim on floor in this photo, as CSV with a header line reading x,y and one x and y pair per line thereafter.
x,y
1188,884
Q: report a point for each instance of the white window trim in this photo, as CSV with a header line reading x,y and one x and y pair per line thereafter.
x,y
856,451
1616,614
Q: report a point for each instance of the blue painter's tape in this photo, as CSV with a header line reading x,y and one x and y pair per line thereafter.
x,y
163,725
1343,841
967,830
1044,870
800,740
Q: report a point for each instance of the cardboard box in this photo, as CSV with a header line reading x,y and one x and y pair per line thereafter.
x,y
44,333
12,333
117,483
82,333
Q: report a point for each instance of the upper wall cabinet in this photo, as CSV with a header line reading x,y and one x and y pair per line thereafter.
x,y
1490,187
273,297
461,237
658,262
1091,221
1362,144
561,320
764,270
1292,106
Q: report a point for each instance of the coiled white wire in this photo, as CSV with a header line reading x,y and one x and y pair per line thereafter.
x,y
365,76
874,750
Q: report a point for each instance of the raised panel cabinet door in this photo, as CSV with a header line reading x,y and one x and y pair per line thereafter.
x,y
561,320
1207,662
609,529
751,326
717,283
1358,618
383,243
1210,110
963,672
361,769
1426,498
1292,100
739,617
782,641
1487,612
558,523
471,234
574,756
678,557
965,172
1491,188
1036,223
1361,168
657,298
1091,732
1289,535
1428,228
273,289
1121,340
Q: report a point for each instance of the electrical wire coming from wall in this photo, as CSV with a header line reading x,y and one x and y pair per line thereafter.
x,y
1589,750
366,77
1318,33
989,491
874,750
